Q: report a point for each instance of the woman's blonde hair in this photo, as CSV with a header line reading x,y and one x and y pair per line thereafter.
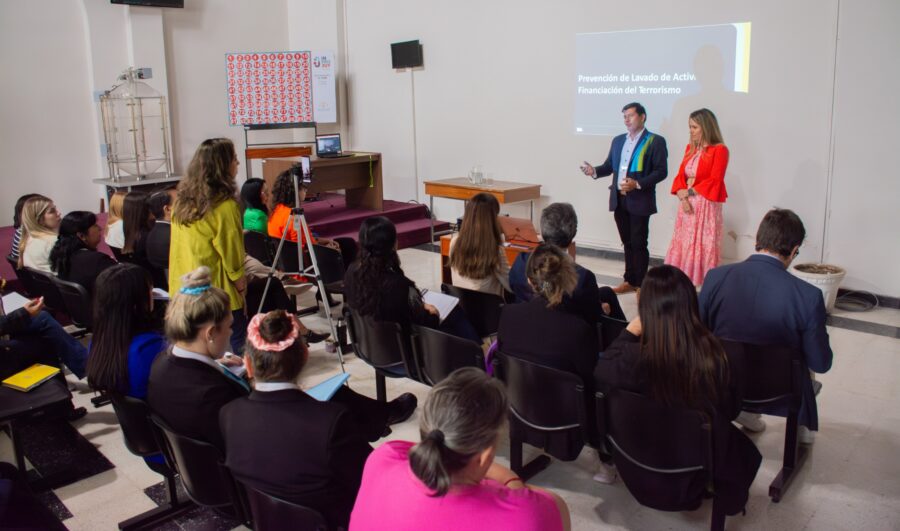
x,y
116,207
552,273
197,303
207,182
32,226
710,135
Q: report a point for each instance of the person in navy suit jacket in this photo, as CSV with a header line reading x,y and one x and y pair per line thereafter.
x,y
638,161
758,301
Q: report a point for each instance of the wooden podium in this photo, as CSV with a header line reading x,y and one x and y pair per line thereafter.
x,y
359,175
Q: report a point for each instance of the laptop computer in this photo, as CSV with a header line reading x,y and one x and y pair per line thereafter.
x,y
329,147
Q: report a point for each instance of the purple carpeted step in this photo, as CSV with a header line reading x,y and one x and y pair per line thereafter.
x,y
409,233
329,215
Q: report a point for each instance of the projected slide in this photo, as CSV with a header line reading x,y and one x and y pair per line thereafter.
x,y
655,67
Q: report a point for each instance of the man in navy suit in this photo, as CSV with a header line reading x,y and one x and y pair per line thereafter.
x,y
637,161
757,301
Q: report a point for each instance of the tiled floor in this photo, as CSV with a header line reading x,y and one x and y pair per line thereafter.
x,y
850,481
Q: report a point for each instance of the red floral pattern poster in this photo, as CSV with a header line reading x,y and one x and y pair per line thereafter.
x,y
269,87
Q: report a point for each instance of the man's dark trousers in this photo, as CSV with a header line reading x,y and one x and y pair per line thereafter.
x,y
634,231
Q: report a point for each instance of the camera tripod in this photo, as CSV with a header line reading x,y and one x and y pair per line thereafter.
x,y
297,220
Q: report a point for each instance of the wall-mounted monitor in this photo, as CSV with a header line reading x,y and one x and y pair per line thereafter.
x,y
406,54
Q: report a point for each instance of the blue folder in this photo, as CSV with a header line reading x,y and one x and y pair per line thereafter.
x,y
325,390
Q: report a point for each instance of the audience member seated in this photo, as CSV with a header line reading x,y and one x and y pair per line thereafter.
x,y
375,285
669,355
254,198
41,221
449,480
126,337
283,198
35,337
278,421
136,224
559,223
17,224
188,386
477,257
757,301
157,246
74,256
115,233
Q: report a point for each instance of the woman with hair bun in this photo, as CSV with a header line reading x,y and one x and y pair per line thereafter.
x,y
450,480
264,431
191,382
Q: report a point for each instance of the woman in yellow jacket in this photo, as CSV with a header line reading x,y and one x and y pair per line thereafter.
x,y
206,228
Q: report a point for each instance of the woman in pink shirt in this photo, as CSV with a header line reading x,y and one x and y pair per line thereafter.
x,y
449,480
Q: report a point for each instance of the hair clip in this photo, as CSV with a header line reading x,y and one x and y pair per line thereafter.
x,y
197,290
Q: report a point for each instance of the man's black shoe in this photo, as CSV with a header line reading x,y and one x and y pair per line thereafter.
x,y
402,408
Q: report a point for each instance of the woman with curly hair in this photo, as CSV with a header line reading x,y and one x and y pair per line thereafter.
x,y
206,228
283,200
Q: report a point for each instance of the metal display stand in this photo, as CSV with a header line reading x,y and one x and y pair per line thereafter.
x,y
261,150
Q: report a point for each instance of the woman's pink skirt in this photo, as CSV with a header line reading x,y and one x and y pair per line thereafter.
x,y
695,243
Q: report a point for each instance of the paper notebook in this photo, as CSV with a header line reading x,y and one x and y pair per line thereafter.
x,y
31,377
325,390
12,301
443,302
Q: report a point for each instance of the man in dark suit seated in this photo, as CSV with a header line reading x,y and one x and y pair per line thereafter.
x,y
758,301
157,246
559,223
285,443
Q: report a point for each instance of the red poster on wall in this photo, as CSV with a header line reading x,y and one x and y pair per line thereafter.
x,y
268,87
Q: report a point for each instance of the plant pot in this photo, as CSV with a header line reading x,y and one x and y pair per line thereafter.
x,y
823,276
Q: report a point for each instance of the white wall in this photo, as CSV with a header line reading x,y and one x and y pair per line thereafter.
x,y
863,228
48,143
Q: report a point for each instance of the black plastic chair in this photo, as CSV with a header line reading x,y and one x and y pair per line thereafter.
x,y
77,303
659,451
257,245
609,329
143,439
437,353
547,409
42,285
274,514
773,378
481,309
384,346
202,471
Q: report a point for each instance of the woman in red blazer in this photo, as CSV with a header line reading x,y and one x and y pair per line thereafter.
x,y
700,187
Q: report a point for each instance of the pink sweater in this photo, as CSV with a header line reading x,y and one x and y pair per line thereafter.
x,y
392,497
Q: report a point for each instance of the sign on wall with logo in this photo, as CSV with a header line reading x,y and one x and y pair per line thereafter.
x,y
278,87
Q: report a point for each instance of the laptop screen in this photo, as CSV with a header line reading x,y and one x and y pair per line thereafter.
x,y
328,144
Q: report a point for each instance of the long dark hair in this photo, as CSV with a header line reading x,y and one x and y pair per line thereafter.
x,y
251,192
135,219
684,362
72,225
476,252
462,416
121,311
378,257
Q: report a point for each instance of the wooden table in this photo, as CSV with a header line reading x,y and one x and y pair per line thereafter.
x,y
359,175
462,188
512,252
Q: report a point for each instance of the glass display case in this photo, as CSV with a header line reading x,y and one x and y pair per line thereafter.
x,y
135,128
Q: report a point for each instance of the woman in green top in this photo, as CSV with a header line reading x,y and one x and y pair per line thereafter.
x,y
255,196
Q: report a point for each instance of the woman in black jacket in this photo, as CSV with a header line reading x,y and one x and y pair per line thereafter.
x,y
669,355
74,257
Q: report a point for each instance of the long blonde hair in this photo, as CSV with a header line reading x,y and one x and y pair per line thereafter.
x,y
32,213
207,182
710,135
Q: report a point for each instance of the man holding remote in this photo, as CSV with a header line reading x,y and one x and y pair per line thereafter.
x,y
637,161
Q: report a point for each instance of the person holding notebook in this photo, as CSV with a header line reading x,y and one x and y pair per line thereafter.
x,y
278,421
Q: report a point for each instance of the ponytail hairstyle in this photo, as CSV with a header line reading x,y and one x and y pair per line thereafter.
x,y
71,228
463,415
196,304
551,273
275,347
